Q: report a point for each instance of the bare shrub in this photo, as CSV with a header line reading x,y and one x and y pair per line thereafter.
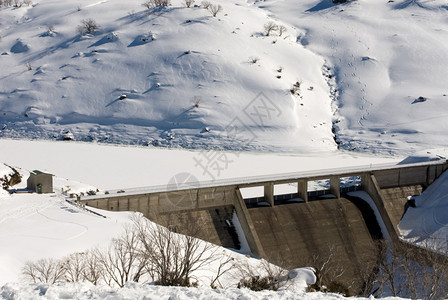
x,y
226,263
295,90
188,3
269,28
172,258
253,59
150,4
50,28
265,276
88,26
414,272
145,252
327,270
281,29
122,263
205,4
29,66
44,271
214,9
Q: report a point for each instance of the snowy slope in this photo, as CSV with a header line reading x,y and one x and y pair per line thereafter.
x,y
427,223
384,55
192,80
189,78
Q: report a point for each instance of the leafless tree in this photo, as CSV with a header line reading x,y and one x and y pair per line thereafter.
x,y
414,271
327,269
269,28
172,258
122,263
281,29
214,9
93,269
74,267
205,4
44,271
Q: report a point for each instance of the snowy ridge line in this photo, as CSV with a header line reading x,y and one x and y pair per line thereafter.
x,y
259,179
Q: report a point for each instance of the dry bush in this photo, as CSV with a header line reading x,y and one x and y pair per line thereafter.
x,y
414,272
88,26
265,276
328,271
281,29
145,252
214,9
205,4
150,4
269,28
295,90
172,258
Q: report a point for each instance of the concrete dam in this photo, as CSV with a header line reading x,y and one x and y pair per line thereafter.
x,y
290,230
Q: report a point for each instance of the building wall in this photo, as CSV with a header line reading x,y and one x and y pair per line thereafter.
x,y
46,180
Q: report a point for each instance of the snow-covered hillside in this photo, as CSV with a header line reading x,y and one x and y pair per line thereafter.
x,y
189,78
389,59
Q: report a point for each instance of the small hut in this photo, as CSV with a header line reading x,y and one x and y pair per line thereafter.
x,y
40,182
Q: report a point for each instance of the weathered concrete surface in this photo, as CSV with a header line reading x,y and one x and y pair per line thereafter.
x,y
212,225
292,234
395,200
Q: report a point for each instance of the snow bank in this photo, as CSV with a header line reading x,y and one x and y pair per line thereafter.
x,y
426,224
142,291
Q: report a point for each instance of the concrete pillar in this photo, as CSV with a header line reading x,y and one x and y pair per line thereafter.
x,y
269,193
247,225
302,189
335,186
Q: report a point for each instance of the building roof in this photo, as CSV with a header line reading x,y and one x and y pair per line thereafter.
x,y
37,172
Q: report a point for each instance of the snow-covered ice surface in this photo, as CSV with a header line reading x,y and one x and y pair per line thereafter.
x,y
115,167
